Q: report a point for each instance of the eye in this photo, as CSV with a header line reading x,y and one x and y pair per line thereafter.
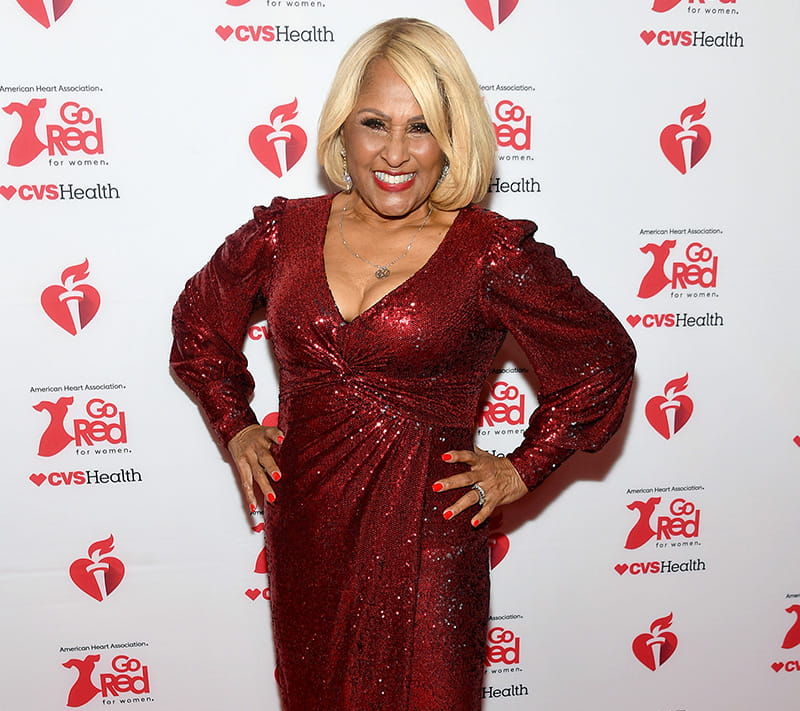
x,y
419,127
373,123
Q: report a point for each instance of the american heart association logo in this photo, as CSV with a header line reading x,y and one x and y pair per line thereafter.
x,y
71,305
655,648
99,574
279,145
668,413
685,144
484,10
43,11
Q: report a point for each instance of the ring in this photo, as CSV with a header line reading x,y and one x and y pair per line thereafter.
x,y
481,494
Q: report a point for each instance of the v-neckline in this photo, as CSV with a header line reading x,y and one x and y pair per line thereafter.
x,y
435,255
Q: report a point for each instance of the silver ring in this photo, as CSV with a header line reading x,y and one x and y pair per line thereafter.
x,y
481,494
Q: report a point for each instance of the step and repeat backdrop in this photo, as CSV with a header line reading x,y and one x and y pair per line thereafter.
x,y
655,143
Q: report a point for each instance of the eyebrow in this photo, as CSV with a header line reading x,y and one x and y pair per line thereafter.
x,y
413,119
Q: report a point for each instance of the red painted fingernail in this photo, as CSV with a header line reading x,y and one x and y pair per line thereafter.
x,y
271,497
475,523
447,457
448,515
276,476
438,486
252,508
279,439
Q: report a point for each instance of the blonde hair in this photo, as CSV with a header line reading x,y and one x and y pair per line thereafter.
x,y
430,62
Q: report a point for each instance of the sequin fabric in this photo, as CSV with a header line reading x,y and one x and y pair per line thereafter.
x,y
378,603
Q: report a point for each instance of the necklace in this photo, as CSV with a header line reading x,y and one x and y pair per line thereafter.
x,y
381,270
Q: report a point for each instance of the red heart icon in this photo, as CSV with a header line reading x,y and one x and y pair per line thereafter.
x,y
777,666
224,31
633,320
482,9
648,36
37,9
253,593
645,646
621,568
8,191
265,142
796,440
98,577
70,304
498,548
664,5
657,410
37,479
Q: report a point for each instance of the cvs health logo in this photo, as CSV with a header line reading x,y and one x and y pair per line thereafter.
x,y
504,406
280,144
99,574
100,421
681,519
76,130
45,12
127,675
492,12
695,267
655,648
502,647
668,413
686,143
71,304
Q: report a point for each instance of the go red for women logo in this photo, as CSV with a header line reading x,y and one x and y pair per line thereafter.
x,y
280,144
125,675
502,647
668,413
512,126
680,519
492,12
504,406
75,130
99,422
686,143
653,649
99,574
72,304
667,5
45,12
694,267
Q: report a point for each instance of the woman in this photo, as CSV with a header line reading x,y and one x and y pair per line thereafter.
x,y
387,303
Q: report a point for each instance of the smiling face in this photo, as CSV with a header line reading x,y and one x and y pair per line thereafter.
x,y
393,159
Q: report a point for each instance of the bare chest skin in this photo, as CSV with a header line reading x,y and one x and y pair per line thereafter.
x,y
351,280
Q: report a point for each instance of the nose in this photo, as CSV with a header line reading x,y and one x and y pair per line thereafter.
x,y
395,150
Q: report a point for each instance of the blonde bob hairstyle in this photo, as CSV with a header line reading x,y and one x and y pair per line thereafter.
x,y
429,61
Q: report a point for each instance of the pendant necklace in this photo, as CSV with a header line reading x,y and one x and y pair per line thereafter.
x,y
381,270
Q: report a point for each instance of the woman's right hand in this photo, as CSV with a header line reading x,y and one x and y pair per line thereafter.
x,y
250,449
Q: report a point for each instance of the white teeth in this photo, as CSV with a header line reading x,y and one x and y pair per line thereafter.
x,y
393,179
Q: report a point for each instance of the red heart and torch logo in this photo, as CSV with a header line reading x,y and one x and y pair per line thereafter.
x,y
686,143
280,144
99,574
45,12
492,13
655,648
668,413
71,304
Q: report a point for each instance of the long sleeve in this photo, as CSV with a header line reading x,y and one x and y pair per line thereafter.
x,y
211,317
581,353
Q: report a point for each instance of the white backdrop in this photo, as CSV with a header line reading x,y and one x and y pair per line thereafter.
x,y
654,145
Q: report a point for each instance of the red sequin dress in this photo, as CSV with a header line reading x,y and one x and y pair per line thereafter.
x,y
378,603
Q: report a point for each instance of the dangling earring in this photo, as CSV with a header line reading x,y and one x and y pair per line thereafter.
x,y
345,173
445,171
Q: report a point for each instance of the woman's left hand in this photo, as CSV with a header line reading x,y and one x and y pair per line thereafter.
x,y
497,477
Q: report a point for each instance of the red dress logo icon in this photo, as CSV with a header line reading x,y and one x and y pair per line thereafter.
x,y
792,638
642,531
492,12
279,145
686,143
668,413
99,574
43,11
654,649
71,305
664,5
